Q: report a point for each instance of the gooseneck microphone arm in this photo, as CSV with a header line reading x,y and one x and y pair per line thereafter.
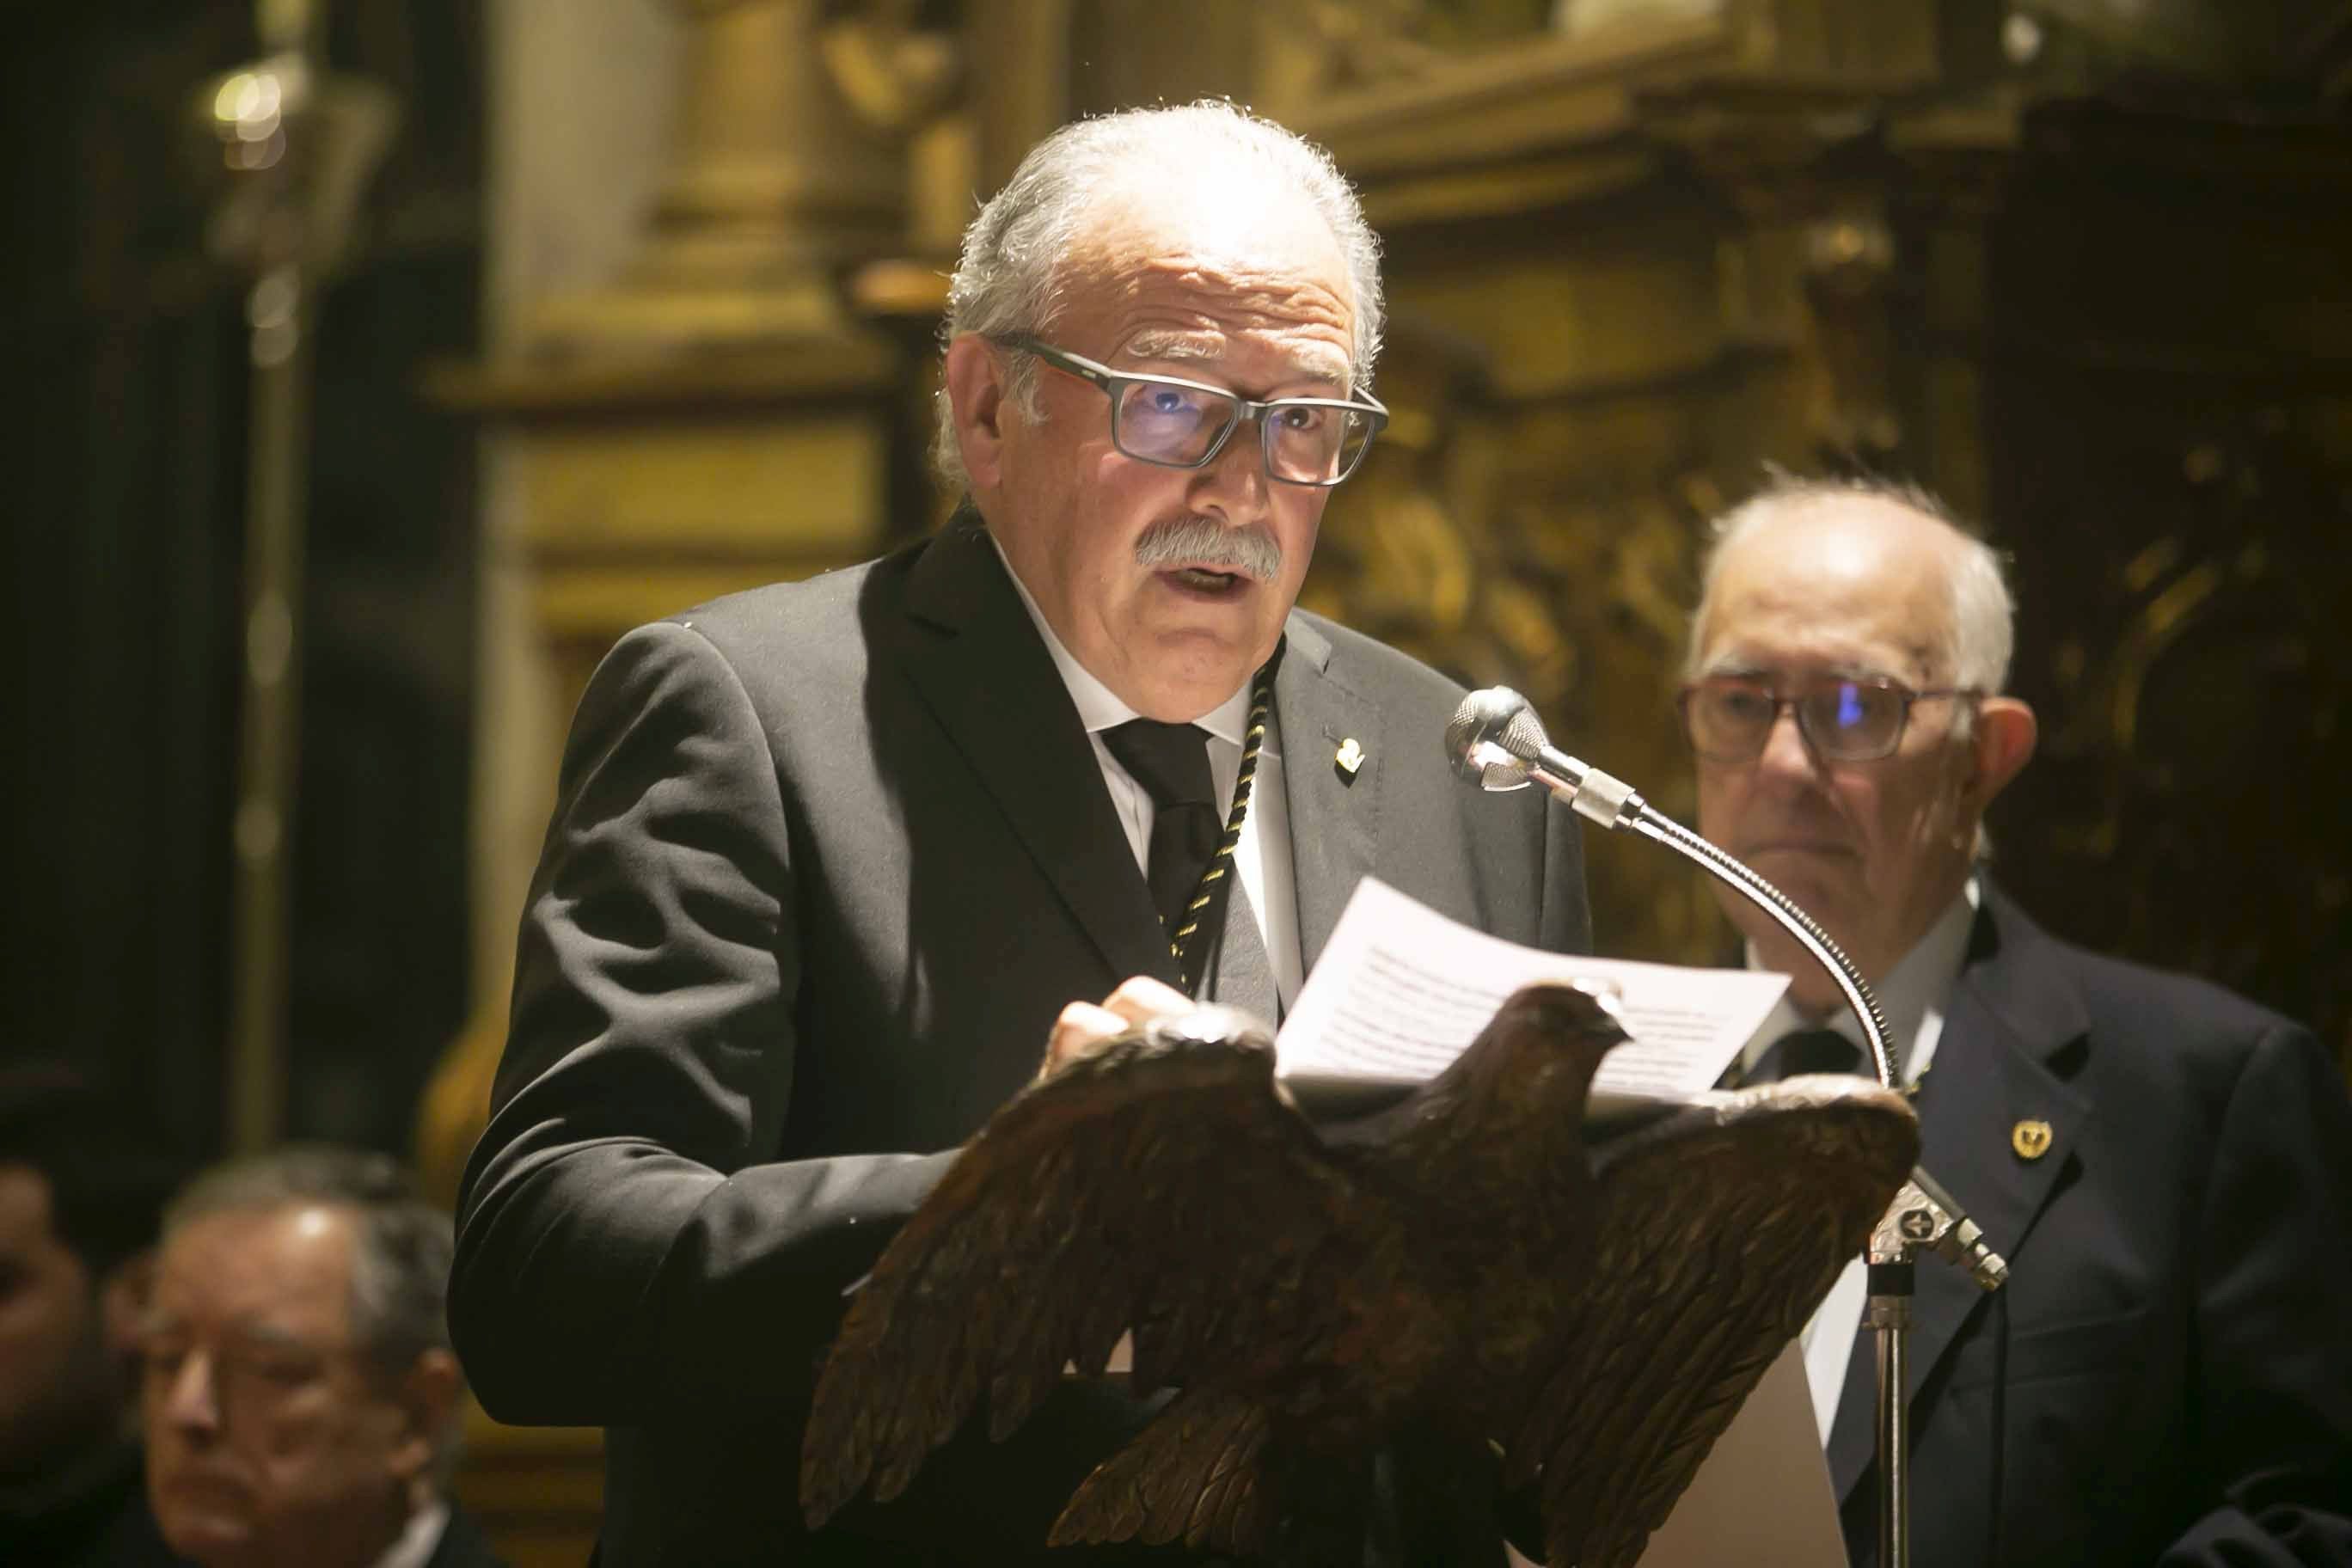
x,y
1496,743
1615,806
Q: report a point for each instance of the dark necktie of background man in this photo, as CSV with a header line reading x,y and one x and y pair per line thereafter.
x,y
1804,1051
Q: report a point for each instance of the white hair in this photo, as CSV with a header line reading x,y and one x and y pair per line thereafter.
x,y
1011,277
1972,648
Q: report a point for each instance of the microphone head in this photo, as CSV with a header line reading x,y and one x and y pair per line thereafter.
x,y
1493,737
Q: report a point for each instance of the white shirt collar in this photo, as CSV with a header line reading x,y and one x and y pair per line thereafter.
x,y
1100,708
1915,995
418,1538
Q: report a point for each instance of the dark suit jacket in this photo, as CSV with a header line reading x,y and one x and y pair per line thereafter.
x,y
114,1528
2167,1375
827,861
104,1524
463,1546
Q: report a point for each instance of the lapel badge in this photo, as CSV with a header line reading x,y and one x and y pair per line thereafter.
x,y
1349,760
2029,1138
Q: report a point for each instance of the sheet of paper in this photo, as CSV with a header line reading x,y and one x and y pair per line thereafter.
x,y
1400,990
1761,1497
1763,1494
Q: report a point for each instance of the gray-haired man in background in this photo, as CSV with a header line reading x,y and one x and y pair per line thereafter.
x,y
2167,1375
301,1403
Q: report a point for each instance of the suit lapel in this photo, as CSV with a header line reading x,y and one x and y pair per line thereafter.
x,y
979,664
2012,1012
1333,814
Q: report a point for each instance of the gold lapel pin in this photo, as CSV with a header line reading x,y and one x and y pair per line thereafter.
x,y
1351,758
2030,1139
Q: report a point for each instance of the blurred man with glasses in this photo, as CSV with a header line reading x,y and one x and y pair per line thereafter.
x,y
833,862
302,1404
2167,1374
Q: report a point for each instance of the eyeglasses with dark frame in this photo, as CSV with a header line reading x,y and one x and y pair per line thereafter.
x,y
1179,424
249,1375
1849,719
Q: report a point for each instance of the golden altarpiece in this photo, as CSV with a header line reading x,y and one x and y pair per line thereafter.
x,y
1636,251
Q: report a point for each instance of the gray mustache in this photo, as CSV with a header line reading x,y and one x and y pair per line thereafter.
x,y
1199,542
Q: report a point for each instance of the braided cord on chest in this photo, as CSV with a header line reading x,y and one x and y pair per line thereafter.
x,y
1205,893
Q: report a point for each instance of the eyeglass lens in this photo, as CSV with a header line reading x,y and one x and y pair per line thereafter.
x,y
245,1381
1846,720
1165,422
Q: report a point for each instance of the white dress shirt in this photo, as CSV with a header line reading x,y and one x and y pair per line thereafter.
x,y
1914,996
1262,857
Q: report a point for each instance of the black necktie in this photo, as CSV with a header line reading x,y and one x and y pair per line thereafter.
x,y
1171,762
1805,1051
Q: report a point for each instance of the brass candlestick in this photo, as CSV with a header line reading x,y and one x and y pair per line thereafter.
x,y
292,148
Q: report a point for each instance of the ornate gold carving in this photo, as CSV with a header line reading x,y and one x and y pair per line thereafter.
x,y
1338,44
894,73
1849,265
2195,715
718,418
783,176
1487,539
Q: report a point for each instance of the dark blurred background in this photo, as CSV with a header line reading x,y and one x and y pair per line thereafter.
x,y
128,341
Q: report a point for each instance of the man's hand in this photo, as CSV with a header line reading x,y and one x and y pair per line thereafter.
x,y
1084,1028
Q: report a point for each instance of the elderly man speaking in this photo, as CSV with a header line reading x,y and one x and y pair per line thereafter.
x,y
832,863
2167,1375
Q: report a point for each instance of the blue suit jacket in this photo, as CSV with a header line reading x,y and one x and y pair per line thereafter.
x,y
2167,1376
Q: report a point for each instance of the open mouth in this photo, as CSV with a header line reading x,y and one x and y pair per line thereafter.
x,y
1822,846
1207,580
200,1490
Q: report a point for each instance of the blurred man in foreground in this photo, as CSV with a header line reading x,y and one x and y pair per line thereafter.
x,y
301,1401
2167,1375
80,1192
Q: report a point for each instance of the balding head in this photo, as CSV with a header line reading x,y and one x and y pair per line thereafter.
x,y
1832,602
1972,633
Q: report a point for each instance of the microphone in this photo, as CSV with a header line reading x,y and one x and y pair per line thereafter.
x,y
1495,742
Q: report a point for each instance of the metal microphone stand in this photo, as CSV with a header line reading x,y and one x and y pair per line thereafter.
x,y
1512,752
1921,1216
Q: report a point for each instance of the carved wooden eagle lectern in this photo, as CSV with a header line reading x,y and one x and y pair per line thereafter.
x,y
1472,1263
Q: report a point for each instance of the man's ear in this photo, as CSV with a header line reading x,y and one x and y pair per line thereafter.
x,y
2003,743
428,1395
976,392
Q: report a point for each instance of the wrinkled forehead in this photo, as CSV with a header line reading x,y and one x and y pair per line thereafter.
x,y
1839,592
1255,263
259,1265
